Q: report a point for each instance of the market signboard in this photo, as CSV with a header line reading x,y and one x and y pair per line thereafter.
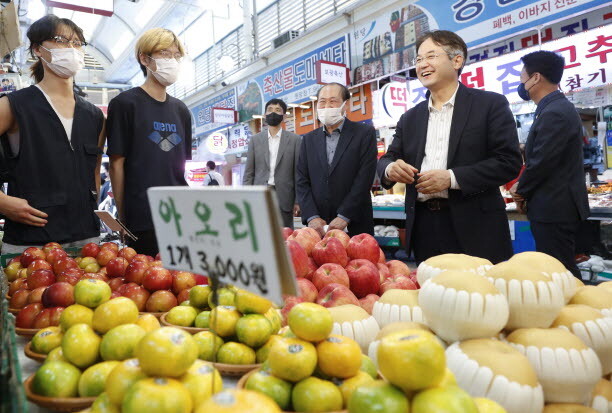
x,y
586,58
203,112
231,235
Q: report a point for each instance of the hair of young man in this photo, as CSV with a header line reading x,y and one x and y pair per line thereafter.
x,y
548,64
452,44
211,165
344,92
155,40
275,101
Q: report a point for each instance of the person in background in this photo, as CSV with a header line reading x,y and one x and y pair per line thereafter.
x,y
105,181
336,168
54,142
149,136
453,151
273,158
213,177
552,190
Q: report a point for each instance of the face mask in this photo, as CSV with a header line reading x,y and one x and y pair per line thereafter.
x,y
331,116
65,62
167,71
274,119
522,92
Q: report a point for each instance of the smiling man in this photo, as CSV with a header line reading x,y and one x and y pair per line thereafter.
x,y
453,151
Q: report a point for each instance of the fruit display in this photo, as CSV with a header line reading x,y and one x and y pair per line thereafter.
x,y
445,262
354,322
398,305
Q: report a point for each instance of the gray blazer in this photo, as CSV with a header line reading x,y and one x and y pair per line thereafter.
x,y
258,166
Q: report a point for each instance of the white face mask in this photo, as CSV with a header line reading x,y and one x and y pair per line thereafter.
x,y
66,61
167,71
331,116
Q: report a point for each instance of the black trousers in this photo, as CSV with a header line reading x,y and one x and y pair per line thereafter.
x,y
146,244
558,240
433,233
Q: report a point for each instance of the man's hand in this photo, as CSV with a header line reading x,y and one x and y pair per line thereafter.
x,y
337,223
296,210
519,200
521,206
402,172
433,181
317,224
18,210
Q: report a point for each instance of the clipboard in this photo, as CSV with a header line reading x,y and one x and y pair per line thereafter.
x,y
114,224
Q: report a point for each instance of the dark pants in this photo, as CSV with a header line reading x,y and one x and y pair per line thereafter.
x,y
557,240
433,233
146,244
287,219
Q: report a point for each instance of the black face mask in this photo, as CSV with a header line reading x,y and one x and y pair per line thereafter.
x,y
274,119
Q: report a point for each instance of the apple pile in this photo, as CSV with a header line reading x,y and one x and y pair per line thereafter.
x,y
42,280
338,269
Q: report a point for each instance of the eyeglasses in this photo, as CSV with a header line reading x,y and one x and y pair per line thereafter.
x,y
63,41
429,58
166,55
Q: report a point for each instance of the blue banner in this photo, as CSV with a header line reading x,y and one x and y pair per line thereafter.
x,y
202,113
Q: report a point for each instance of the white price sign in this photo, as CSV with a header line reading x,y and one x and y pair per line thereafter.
x,y
231,235
224,115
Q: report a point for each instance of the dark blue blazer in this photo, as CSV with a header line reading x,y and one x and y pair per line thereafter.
x,y
553,180
344,187
483,153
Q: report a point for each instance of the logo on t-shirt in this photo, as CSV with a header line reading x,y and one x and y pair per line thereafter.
x,y
165,143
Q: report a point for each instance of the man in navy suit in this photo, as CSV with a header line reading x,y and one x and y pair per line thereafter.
x,y
453,152
336,168
552,189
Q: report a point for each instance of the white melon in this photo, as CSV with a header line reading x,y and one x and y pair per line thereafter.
x,y
460,262
596,297
602,397
354,322
552,268
398,305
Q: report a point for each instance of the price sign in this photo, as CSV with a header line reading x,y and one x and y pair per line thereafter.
x,y
230,235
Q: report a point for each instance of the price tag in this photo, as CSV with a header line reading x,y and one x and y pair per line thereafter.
x,y
231,235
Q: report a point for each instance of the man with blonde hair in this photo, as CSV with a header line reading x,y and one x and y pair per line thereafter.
x,y
149,135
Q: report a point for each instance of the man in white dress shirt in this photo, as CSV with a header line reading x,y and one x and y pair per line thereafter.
x,y
453,151
272,160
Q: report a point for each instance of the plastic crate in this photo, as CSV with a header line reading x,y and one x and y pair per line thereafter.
x,y
523,238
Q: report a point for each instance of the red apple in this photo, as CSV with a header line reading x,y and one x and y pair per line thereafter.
x,y
58,295
90,250
397,267
110,245
19,299
340,235
115,294
330,250
18,284
85,261
51,246
55,254
330,274
157,278
12,270
140,257
25,317
333,295
381,258
156,263
96,276
161,301
413,277
305,239
383,270
71,276
127,253
363,276
30,255
397,282
23,273
137,294
62,264
15,259
364,246
116,267
307,290
299,258
290,302
367,302
35,295
287,232
38,265
47,317
182,280
105,256
116,283
157,257
312,233
41,278
201,279
183,295
312,267
123,288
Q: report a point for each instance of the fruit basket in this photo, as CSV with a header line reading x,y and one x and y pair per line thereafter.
x,y
26,332
27,350
242,382
236,370
60,404
191,330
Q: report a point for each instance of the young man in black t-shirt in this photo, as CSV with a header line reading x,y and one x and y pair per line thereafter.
x,y
149,136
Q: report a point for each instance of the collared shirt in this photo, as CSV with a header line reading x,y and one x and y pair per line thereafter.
x,y
273,144
436,144
331,141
